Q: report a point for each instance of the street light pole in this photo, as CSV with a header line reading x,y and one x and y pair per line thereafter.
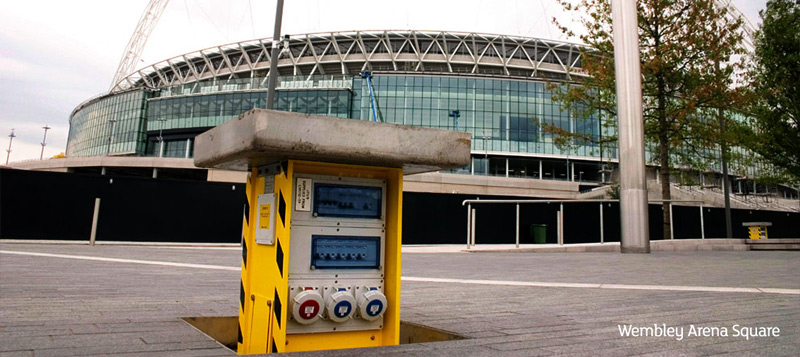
x,y
485,155
273,60
10,140
633,185
110,135
726,182
161,138
44,140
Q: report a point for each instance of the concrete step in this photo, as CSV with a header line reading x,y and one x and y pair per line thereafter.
x,y
775,246
773,241
676,245
682,245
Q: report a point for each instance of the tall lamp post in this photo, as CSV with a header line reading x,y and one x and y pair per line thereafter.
x,y
633,185
10,140
485,155
160,137
44,141
110,135
726,182
273,60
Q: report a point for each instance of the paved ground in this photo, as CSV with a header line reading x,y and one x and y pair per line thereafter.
x,y
517,304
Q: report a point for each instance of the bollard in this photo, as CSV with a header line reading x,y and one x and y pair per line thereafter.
x,y
95,219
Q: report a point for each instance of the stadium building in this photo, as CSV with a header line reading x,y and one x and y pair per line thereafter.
x,y
492,86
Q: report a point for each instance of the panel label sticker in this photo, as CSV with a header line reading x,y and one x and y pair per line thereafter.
x,y
265,219
263,212
303,201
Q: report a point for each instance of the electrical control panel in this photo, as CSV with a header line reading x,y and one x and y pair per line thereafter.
x,y
337,255
345,252
347,201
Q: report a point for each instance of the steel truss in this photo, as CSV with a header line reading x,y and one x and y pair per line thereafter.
x,y
350,53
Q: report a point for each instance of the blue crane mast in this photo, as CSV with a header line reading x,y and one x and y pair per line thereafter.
x,y
368,75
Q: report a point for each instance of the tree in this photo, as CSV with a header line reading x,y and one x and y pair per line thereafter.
x,y
775,84
686,48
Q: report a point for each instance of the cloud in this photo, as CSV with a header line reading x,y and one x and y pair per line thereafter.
x,y
56,54
750,9
11,67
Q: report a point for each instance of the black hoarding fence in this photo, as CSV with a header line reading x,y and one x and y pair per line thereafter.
x,y
59,206
442,219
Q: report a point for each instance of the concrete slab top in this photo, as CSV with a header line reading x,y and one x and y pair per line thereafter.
x,y
260,137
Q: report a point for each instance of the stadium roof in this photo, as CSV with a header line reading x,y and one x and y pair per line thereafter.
x,y
349,53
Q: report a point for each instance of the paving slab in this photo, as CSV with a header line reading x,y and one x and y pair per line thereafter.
x,y
63,304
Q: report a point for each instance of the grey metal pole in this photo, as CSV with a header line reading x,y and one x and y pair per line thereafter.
x,y
558,227
726,182
561,223
273,60
485,156
602,238
541,174
110,136
469,224
702,224
95,218
161,137
187,148
44,141
517,226
10,140
671,231
473,227
633,186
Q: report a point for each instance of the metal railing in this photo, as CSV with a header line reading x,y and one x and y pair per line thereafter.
x,y
560,216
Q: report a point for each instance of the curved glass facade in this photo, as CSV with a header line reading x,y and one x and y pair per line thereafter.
x,y
492,86
110,125
200,111
503,115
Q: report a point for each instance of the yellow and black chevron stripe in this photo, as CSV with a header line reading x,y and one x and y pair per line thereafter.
x,y
264,282
283,190
245,242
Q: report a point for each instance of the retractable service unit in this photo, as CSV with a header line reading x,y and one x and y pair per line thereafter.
x,y
322,226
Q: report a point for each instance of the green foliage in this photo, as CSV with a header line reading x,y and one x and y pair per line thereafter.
x,y
775,87
613,191
681,42
686,48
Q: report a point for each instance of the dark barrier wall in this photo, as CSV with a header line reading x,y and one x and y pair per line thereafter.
x,y
59,206
441,219
46,205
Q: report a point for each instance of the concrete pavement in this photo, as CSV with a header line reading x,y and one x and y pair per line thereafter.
x,y
66,300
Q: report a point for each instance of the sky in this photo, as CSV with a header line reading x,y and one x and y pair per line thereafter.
x,y
56,54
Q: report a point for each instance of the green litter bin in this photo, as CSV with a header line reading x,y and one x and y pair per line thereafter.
x,y
539,233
